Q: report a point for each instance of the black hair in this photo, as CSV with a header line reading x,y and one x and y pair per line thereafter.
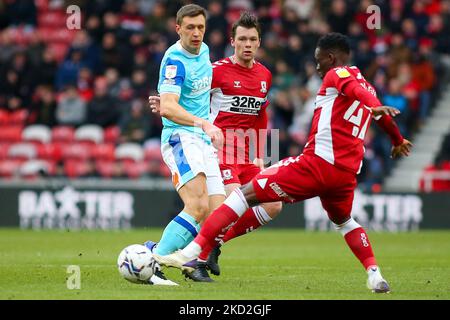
x,y
334,41
248,21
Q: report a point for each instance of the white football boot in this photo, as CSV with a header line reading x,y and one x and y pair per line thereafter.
x,y
375,281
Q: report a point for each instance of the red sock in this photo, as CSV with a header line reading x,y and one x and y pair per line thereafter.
x,y
358,241
214,229
247,223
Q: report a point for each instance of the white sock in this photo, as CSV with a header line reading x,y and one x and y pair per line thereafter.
x,y
191,251
261,215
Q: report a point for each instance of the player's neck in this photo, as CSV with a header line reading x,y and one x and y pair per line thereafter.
x,y
243,63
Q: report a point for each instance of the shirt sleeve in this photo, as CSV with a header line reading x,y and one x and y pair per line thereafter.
x,y
339,78
172,77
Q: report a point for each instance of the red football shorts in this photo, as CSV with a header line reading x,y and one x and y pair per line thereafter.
x,y
238,173
306,176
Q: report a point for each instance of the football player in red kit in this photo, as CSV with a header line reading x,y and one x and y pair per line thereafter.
x,y
239,91
327,168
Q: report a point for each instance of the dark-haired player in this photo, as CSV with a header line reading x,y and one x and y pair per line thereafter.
x,y
327,168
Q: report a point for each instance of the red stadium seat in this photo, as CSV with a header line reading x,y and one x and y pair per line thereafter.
x,y
4,117
52,19
104,151
111,134
63,134
74,168
18,117
135,170
153,153
49,151
76,151
165,171
9,168
106,169
11,134
4,147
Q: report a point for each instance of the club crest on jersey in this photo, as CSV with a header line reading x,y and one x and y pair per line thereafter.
x,y
226,174
263,86
342,73
171,72
237,84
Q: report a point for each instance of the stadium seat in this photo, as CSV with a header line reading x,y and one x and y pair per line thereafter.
x,y
135,170
104,151
89,133
37,168
152,153
111,134
9,168
52,19
37,133
76,151
63,134
4,117
130,151
164,170
11,134
4,147
74,168
22,151
18,117
49,151
106,169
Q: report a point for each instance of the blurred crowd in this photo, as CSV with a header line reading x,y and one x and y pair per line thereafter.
x,y
103,73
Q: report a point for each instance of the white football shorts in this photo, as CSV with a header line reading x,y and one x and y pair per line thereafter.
x,y
187,154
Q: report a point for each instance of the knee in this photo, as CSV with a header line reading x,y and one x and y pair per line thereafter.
x,y
273,208
201,209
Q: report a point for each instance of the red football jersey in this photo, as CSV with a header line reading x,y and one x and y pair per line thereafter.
x,y
238,101
340,123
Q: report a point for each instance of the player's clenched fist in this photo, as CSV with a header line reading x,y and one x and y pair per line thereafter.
x,y
154,102
214,133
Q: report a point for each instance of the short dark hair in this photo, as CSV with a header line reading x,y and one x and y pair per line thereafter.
x,y
334,40
246,20
190,10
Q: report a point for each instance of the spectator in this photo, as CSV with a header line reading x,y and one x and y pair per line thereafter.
x,y
45,70
423,74
42,110
134,125
68,71
396,99
102,109
71,109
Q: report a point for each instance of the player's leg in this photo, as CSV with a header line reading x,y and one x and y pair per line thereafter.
x,y
184,157
338,205
267,186
185,226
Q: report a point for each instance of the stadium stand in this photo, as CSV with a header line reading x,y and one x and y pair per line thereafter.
x,y
120,46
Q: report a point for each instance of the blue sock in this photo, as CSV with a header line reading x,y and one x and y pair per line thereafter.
x,y
177,234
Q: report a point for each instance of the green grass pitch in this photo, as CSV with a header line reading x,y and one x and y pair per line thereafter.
x,y
267,264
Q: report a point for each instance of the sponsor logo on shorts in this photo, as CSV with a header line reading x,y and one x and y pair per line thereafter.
x,y
276,188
